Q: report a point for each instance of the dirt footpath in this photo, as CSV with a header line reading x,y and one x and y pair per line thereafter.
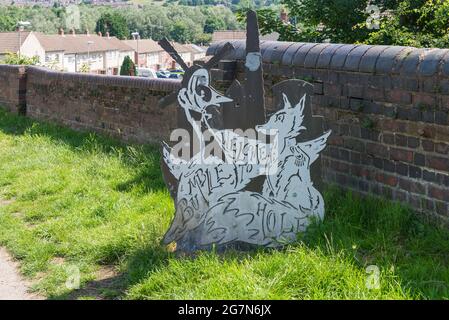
x,y
12,285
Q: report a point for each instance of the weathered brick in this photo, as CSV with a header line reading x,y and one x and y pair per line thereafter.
x,y
419,159
401,155
340,55
354,57
411,62
400,140
431,62
389,165
428,145
376,149
368,60
441,118
438,193
332,89
399,96
369,134
388,138
438,163
387,59
424,100
387,179
300,55
415,172
412,186
429,176
313,55
413,142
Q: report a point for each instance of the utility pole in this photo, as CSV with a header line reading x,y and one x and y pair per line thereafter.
x,y
136,37
21,26
88,53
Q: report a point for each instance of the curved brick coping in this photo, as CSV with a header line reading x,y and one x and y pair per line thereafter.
x,y
348,57
11,68
39,74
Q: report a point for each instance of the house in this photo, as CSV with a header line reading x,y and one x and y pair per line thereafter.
x,y
25,43
72,52
93,52
151,55
197,52
147,53
184,52
82,52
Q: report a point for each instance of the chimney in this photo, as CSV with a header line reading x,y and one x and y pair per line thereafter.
x,y
72,32
100,34
61,32
87,32
107,34
284,16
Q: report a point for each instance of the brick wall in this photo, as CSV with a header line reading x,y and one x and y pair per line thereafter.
x,y
388,109
387,106
124,107
13,88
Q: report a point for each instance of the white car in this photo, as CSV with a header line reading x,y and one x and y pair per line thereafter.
x,y
146,73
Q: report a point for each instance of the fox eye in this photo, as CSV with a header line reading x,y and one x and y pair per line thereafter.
x,y
280,117
204,92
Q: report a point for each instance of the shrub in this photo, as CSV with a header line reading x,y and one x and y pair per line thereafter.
x,y
128,67
14,58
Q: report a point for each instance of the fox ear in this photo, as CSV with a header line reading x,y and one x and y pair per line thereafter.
x,y
314,147
287,104
301,104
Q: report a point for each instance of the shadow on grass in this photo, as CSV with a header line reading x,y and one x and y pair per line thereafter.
x,y
139,265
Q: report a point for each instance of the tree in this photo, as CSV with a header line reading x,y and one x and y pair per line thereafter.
x,y
213,23
407,22
114,23
128,67
180,32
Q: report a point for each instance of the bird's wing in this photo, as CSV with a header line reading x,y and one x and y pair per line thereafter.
x,y
314,147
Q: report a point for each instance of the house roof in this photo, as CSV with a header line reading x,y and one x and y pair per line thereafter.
x,y
181,48
9,41
194,48
145,45
122,46
80,43
223,35
149,46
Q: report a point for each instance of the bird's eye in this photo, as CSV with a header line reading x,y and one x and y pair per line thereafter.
x,y
204,92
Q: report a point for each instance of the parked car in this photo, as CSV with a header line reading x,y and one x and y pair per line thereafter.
x,y
163,74
146,73
177,71
175,76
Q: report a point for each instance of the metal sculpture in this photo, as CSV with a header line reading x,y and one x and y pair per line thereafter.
x,y
252,186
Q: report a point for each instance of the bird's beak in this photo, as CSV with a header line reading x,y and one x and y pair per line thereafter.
x,y
218,99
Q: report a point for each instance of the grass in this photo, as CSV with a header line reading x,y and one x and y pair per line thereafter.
x,y
76,203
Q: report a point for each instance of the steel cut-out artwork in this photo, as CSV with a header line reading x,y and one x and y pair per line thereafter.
x,y
239,178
